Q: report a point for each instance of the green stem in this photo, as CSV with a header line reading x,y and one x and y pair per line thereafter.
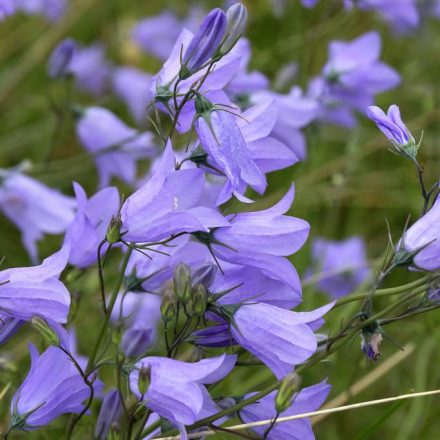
x,y
110,306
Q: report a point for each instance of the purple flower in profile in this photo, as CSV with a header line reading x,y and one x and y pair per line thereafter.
x,y
280,338
133,86
176,389
420,245
53,10
90,68
26,292
90,224
309,3
99,130
249,240
223,141
34,208
58,65
392,126
204,44
43,397
307,400
342,265
353,74
109,415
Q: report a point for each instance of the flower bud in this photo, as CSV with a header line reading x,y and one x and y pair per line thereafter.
x,y
288,387
136,341
144,379
48,334
236,16
114,230
182,282
199,300
204,274
168,306
204,43
58,65
109,415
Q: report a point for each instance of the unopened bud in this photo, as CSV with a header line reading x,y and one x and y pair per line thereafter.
x,y
168,306
204,43
114,230
182,282
288,387
204,274
136,341
58,65
236,16
109,415
144,379
199,301
48,334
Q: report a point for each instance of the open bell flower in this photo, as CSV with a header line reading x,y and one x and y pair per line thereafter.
x,y
420,244
307,400
176,390
281,339
115,146
34,208
36,291
53,387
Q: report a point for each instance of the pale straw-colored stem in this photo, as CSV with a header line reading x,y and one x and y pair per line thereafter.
x,y
310,414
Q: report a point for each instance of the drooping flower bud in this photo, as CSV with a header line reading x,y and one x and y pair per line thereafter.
x,y
114,230
199,301
182,282
204,43
48,334
288,387
109,415
144,379
236,16
371,339
58,65
168,306
136,341
204,274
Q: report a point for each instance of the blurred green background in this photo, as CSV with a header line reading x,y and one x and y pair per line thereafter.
x,y
348,186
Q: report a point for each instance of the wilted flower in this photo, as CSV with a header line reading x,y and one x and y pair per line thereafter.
x,y
342,265
115,146
43,397
34,208
420,244
90,224
307,400
60,58
177,390
392,126
36,291
109,415
204,43
371,338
